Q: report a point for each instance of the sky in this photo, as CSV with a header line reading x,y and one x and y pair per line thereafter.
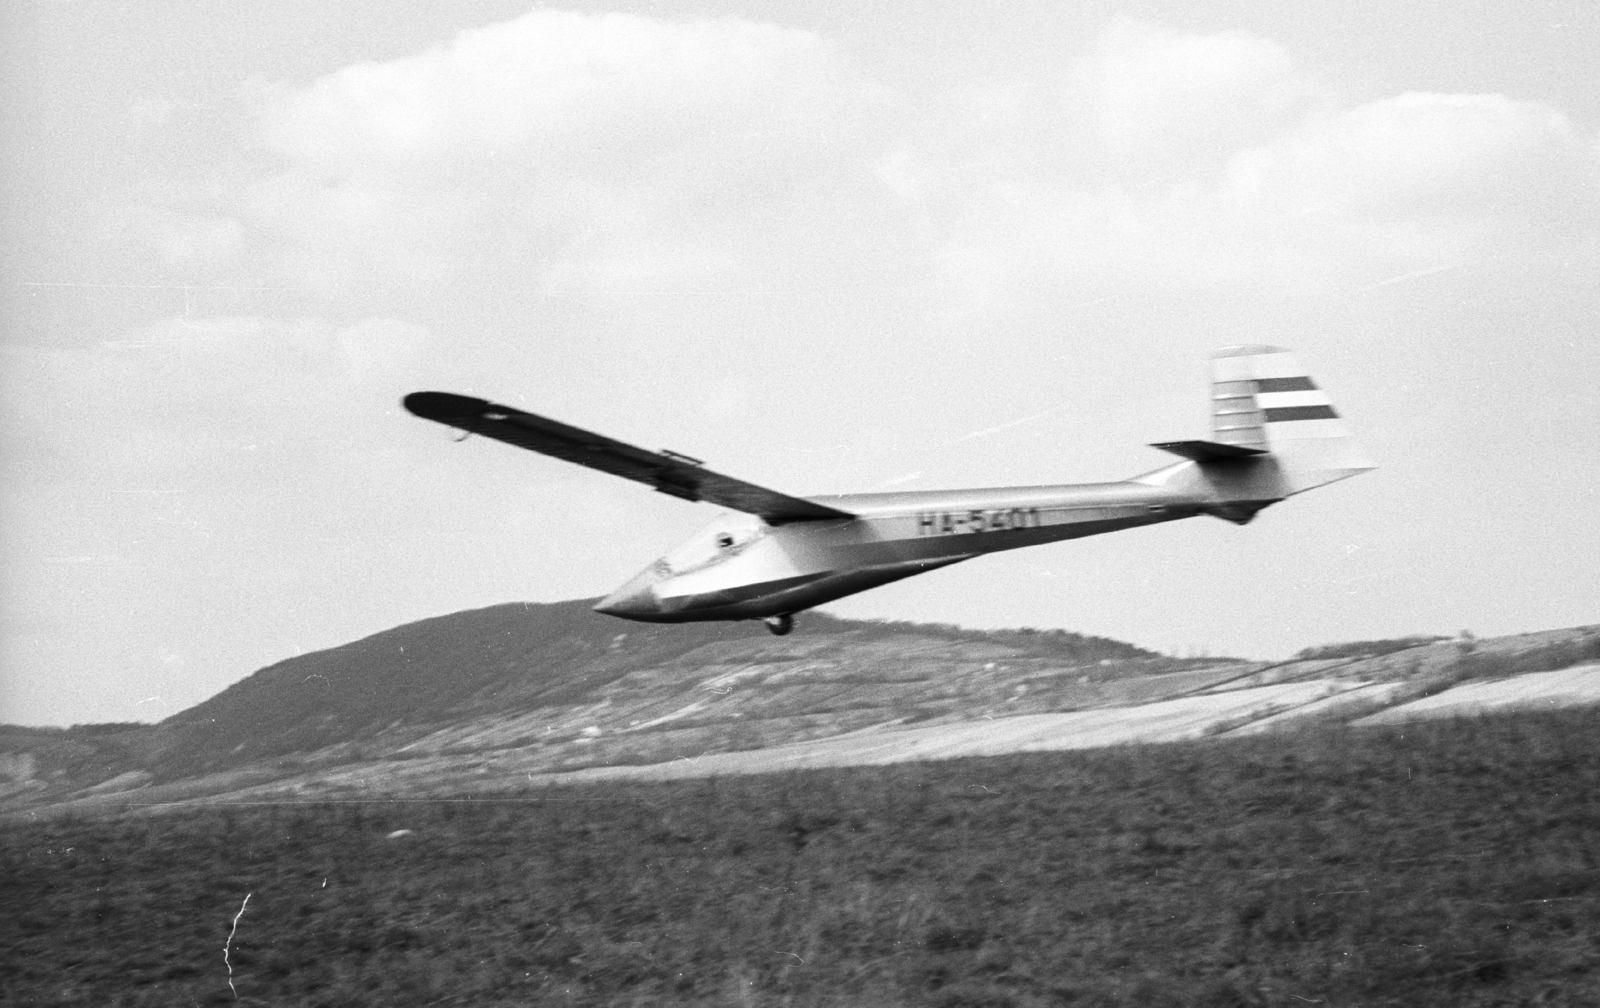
x,y
826,247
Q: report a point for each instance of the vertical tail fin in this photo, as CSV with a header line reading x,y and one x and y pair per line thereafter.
x,y
1262,398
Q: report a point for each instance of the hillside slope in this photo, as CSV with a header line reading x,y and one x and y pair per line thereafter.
x,y
538,690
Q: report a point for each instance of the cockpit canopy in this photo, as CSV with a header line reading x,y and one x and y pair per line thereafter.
x,y
728,536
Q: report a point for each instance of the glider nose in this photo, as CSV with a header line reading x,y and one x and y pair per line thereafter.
x,y
635,600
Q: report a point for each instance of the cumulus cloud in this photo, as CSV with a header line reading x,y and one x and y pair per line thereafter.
x,y
1162,104
566,93
576,152
1212,161
1418,157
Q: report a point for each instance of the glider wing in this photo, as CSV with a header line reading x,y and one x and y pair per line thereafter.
x,y
667,472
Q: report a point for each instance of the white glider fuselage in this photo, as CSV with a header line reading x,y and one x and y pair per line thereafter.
x,y
740,567
1274,431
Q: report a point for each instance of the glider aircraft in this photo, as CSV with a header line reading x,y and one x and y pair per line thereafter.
x,y
1275,433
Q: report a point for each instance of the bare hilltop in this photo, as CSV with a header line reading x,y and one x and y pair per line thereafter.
x,y
555,693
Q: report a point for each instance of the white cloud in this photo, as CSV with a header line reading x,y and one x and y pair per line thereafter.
x,y
1212,163
1417,157
573,153
577,152
1164,104
566,93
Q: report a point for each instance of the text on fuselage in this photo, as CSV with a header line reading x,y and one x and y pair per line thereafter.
x,y
997,520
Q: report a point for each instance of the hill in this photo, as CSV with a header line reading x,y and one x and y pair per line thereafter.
x,y
460,702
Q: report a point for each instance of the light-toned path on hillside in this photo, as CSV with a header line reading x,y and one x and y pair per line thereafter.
x,y
1531,691
1164,721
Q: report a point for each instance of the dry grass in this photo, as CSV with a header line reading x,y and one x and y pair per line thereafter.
x,y
1449,864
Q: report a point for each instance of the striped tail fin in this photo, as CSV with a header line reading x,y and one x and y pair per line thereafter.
x,y
1262,399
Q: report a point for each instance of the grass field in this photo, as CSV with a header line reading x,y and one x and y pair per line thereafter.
x,y
1448,863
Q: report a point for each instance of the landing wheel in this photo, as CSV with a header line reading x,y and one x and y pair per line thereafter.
x,y
779,626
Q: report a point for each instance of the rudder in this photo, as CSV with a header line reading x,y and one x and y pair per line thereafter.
x,y
1262,399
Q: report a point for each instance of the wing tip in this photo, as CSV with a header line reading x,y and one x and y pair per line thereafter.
x,y
437,405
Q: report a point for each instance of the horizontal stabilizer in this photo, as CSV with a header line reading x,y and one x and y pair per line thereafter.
x,y
668,472
1208,451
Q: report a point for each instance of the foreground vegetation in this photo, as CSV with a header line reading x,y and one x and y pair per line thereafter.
x,y
1448,863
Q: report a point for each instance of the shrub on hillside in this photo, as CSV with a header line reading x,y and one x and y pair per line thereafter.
x,y
1060,644
1364,649
1545,658
108,728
